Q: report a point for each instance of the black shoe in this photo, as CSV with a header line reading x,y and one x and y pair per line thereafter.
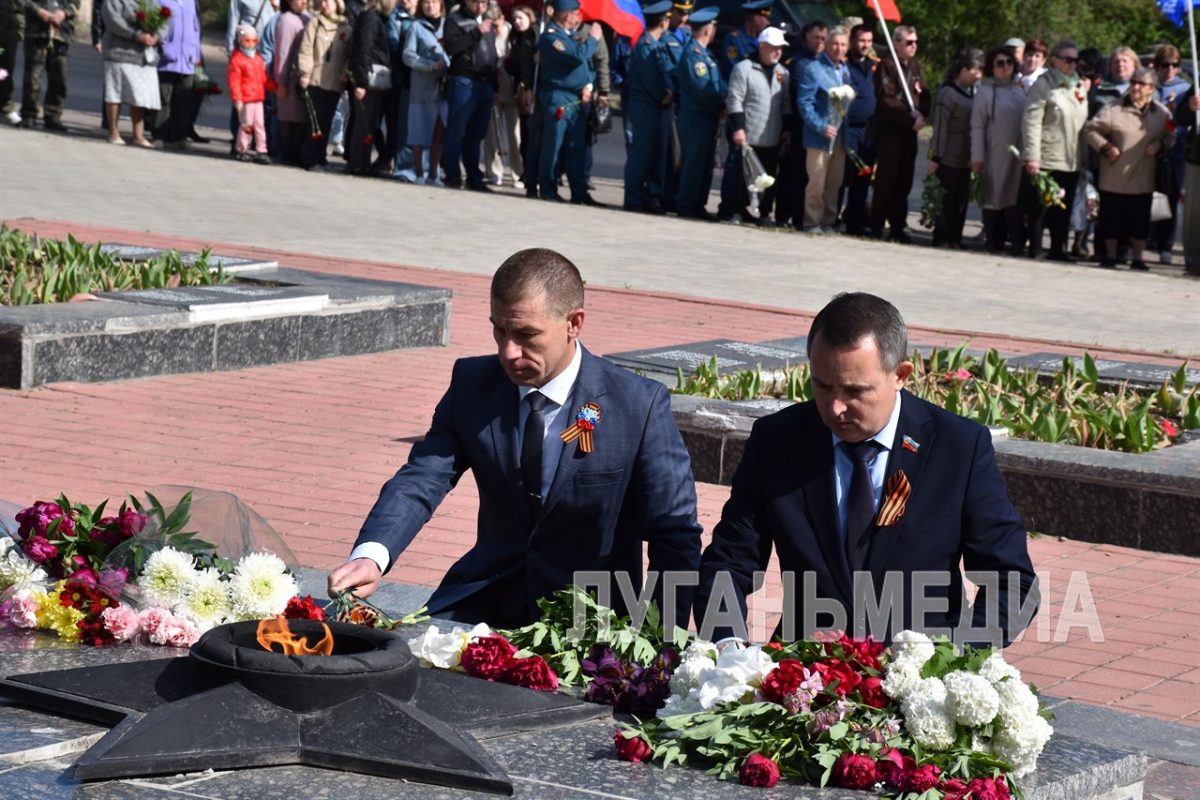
x,y
588,200
261,158
452,184
765,222
654,208
479,187
1108,263
1139,265
899,237
702,215
53,125
27,122
1061,258
553,198
197,138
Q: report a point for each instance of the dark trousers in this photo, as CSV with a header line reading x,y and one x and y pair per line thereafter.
x,y
672,132
8,61
1057,220
531,141
733,187
956,185
854,214
174,119
896,152
645,166
324,104
740,195
469,102
698,142
366,132
51,58
1003,225
792,181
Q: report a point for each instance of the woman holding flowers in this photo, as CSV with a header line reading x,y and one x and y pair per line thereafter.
x,y
130,54
176,72
290,108
995,130
950,152
1129,135
324,51
1055,112
423,54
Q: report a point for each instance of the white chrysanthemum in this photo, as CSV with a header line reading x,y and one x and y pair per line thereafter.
x,y
899,678
16,571
166,577
1020,741
996,669
699,656
970,699
912,646
981,745
260,587
443,650
206,599
1017,700
926,715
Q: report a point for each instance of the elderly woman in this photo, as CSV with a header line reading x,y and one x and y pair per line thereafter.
x,y
995,129
321,63
1129,135
1033,63
290,109
423,54
950,151
130,77
1055,112
176,68
1172,90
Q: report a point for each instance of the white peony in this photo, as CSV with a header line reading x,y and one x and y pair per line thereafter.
x,y
1020,741
443,650
699,656
206,599
1017,700
996,669
899,678
736,673
261,587
166,577
912,646
926,715
16,571
970,699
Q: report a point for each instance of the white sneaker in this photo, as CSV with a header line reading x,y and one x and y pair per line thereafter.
x,y
432,181
518,183
338,150
12,118
1164,257
497,181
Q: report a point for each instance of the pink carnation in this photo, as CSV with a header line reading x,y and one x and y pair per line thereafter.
x,y
152,619
122,622
177,632
23,611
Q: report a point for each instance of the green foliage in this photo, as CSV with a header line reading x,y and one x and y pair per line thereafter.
x,y
35,270
944,28
166,529
572,621
1068,407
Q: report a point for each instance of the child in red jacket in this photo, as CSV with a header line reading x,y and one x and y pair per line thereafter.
x,y
248,87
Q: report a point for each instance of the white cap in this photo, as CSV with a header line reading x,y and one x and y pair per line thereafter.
x,y
1014,42
772,36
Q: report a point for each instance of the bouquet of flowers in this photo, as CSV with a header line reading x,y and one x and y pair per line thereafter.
x,y
483,654
840,98
1049,193
151,17
932,199
757,178
862,168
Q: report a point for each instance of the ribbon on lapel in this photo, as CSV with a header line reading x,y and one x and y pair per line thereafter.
x,y
895,495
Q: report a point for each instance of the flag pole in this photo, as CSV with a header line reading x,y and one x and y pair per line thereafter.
x,y
1192,34
896,58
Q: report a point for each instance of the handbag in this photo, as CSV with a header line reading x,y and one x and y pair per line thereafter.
x,y
379,77
1160,207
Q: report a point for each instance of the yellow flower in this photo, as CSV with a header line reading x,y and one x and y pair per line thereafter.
x,y
46,602
62,620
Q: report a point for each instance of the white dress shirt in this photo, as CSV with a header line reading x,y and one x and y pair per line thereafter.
x,y
843,468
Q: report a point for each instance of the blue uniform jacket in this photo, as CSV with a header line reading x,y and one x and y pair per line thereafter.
x,y
701,86
676,42
565,62
862,79
649,70
813,103
737,45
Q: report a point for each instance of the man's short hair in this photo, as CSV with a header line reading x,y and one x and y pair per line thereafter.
x,y
814,25
860,28
901,31
528,273
851,317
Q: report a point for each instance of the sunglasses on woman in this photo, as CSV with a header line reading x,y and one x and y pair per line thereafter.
x,y
1003,62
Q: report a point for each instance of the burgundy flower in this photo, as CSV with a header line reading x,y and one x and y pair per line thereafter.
x,y
558,113
920,779
368,140
854,771
627,686
166,12
487,657
953,790
891,766
632,748
85,575
759,771
131,522
871,692
988,789
843,672
305,608
783,681
532,673
140,16
37,518
39,549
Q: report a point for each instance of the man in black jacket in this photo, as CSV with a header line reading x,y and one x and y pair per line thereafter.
x,y
470,41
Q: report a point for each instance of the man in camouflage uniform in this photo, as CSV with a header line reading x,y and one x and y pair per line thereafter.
x,y
49,25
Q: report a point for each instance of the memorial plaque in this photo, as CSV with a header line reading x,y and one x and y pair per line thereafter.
x,y
686,357
1108,369
231,264
131,252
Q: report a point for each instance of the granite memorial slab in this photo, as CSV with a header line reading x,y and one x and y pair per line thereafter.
x,y
232,265
1108,369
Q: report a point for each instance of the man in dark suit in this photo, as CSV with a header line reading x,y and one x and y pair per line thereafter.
x,y
870,497
577,463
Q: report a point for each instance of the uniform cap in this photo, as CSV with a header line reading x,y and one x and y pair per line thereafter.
x,y
655,9
683,5
772,36
565,5
704,15
759,6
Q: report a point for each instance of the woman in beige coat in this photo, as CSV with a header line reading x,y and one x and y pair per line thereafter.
x,y
995,130
1129,134
1055,112
321,61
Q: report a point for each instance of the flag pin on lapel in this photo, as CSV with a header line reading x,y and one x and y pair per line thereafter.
x,y
911,445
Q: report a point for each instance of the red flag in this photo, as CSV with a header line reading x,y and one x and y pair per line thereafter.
x,y
885,8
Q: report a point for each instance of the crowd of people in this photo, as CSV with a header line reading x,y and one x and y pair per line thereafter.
x,y
819,134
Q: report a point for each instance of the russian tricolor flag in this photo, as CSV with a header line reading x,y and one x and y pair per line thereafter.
x,y
623,16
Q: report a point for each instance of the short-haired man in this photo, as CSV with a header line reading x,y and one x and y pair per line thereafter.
x,y
862,65
896,133
651,97
470,44
823,126
577,463
793,171
870,497
701,103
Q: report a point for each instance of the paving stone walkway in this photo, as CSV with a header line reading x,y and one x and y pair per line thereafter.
x,y
308,445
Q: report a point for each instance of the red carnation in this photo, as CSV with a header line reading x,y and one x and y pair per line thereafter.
x,y
166,12
487,657
920,779
305,608
759,771
866,651
783,681
632,748
368,140
773,646
558,113
871,692
531,673
1168,428
845,675
140,16
853,771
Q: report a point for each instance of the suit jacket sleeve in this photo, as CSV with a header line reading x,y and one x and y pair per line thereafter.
x,y
739,547
408,500
994,541
665,501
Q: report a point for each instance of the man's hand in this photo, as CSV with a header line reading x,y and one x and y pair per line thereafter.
x,y
99,47
977,167
361,576
303,82
360,93
667,98
1033,167
59,16
596,31
148,39
931,167
585,96
830,132
739,137
485,26
1154,149
918,120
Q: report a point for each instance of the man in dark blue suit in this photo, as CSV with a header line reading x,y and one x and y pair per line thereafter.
x,y
870,497
577,463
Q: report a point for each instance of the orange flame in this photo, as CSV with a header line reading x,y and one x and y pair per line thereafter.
x,y
276,631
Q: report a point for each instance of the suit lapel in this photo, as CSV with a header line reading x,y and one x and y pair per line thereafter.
x,y
916,424
589,387
820,501
503,404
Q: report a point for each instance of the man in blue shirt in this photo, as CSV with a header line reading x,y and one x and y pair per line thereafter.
x,y
650,81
